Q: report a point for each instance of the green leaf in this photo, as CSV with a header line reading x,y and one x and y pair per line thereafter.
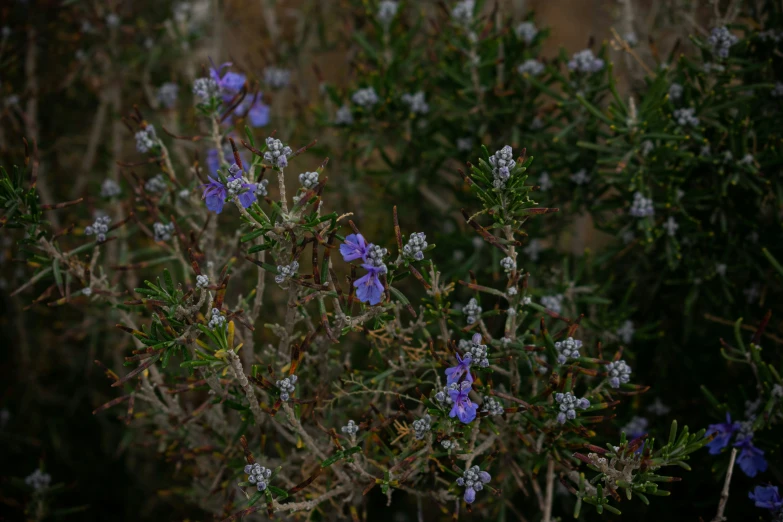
x,y
168,280
331,460
364,44
280,493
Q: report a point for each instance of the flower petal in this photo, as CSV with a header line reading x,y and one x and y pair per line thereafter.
x,y
259,114
354,247
248,198
215,202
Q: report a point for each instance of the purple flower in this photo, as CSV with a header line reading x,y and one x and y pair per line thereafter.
x,y
369,288
229,83
213,158
722,432
767,497
354,247
473,480
464,409
257,111
454,373
215,192
751,459
258,114
636,428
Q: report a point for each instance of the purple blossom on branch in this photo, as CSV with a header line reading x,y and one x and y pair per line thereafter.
x,y
216,191
229,83
767,497
354,247
463,408
473,479
454,374
369,288
254,108
723,432
750,459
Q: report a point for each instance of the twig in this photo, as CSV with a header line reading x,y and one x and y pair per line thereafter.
x,y
239,373
724,496
550,486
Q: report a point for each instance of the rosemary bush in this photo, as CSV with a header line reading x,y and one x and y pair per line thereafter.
x,y
406,324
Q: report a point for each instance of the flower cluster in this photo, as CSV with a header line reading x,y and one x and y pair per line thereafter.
x,y
285,272
475,350
202,281
462,13
387,10
464,144
414,248
369,288
216,320
162,232
641,206
568,349
472,310
205,88
531,66
502,163
309,180
671,226
492,406
350,429
473,480
286,387
344,116
38,480
721,41
156,184
365,98
277,77
675,91
508,264
99,228
686,116
146,139
526,31
544,181
276,153
533,249
626,331
261,188
110,188
568,405
258,475
553,302
618,372
580,177
585,62
422,426
167,95
416,103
